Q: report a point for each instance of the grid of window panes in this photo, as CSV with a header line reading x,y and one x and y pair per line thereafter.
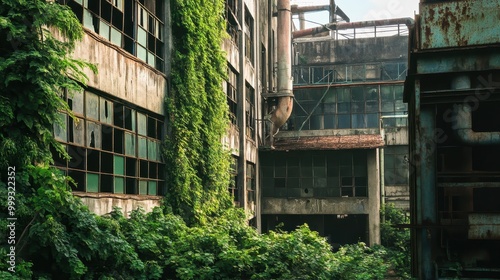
x,y
232,15
392,104
340,108
113,148
230,87
250,111
233,180
396,166
132,25
249,36
250,181
316,174
348,107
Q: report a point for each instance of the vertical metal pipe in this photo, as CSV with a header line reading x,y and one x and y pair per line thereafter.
x,y
284,47
285,87
302,22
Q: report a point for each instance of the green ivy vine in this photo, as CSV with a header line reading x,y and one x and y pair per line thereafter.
x,y
197,164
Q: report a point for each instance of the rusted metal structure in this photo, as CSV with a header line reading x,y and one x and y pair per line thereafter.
x,y
453,92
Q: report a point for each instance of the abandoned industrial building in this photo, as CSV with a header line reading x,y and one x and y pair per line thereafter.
x,y
327,124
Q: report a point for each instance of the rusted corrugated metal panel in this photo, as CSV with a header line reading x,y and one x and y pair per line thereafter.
x,y
484,226
345,142
459,23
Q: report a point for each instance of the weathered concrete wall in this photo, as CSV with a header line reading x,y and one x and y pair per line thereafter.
x,y
398,195
232,140
373,197
103,203
361,50
232,53
396,136
122,74
336,205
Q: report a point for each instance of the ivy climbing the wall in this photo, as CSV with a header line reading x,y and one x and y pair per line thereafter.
x,y
197,164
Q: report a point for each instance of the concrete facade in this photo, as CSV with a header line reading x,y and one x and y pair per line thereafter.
x,y
348,111
115,141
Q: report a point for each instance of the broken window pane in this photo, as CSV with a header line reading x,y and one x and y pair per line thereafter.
x,y
92,106
92,182
93,160
143,149
118,141
129,119
93,135
79,178
77,157
129,144
131,166
106,111
77,131
75,101
106,183
141,124
131,186
60,128
119,185
106,162
141,52
107,137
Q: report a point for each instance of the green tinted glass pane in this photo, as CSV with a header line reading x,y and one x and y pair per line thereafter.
x,y
152,188
60,128
119,165
119,184
152,150
92,182
143,151
143,187
141,123
129,144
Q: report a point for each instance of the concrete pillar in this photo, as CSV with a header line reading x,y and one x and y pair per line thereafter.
x,y
373,197
242,162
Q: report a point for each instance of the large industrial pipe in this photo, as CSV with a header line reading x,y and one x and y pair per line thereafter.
x,y
304,9
351,25
284,94
463,119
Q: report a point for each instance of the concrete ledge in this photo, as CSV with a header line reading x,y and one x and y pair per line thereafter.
x,y
103,203
310,206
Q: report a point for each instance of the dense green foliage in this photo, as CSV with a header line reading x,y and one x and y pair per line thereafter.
x,y
197,165
396,240
57,237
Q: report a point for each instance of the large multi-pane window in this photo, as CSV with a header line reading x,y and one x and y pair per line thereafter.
x,y
250,111
348,107
232,16
396,166
233,181
230,87
114,148
134,25
315,174
250,181
249,36
339,108
392,105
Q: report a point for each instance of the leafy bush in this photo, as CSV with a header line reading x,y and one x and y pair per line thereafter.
x,y
396,240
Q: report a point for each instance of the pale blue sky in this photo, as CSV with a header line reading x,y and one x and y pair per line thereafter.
x,y
359,10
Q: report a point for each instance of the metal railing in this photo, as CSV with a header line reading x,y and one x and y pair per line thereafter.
x,y
349,73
